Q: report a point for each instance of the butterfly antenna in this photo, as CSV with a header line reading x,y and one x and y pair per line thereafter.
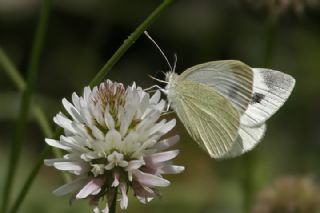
x,y
158,47
175,62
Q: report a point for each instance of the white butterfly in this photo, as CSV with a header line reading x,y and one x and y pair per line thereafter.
x,y
224,104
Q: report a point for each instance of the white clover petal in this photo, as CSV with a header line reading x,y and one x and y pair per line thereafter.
x,y
109,121
166,143
76,144
76,101
155,97
57,144
64,122
73,186
124,196
74,167
97,133
157,128
160,106
96,110
113,139
86,94
50,162
71,110
168,126
147,122
144,103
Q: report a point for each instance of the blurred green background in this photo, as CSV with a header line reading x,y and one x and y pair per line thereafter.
x,y
82,35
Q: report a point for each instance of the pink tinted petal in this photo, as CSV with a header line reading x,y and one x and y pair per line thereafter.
x,y
93,187
124,196
161,157
96,209
106,210
116,177
135,164
143,193
149,179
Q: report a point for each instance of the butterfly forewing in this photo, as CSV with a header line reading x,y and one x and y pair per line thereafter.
x,y
210,119
232,79
270,91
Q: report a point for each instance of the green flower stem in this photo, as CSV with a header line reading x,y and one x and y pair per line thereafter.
x,y
26,186
271,26
128,42
248,181
37,111
11,71
98,78
113,207
32,71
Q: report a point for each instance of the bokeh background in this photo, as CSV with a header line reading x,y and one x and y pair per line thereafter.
x,y
278,34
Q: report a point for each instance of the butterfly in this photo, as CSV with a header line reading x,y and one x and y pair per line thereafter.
x,y
224,105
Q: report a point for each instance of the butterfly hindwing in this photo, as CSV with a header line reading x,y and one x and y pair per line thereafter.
x,y
247,139
210,119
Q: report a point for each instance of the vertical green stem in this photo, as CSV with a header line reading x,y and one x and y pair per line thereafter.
x,y
271,26
9,68
248,181
251,158
25,104
17,203
99,77
113,207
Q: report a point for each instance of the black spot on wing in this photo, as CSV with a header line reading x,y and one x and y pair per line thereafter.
x,y
257,97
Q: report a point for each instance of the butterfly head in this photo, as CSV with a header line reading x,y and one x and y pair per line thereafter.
x,y
171,79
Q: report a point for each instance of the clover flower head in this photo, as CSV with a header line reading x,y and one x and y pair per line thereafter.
x,y
114,141
289,194
280,7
